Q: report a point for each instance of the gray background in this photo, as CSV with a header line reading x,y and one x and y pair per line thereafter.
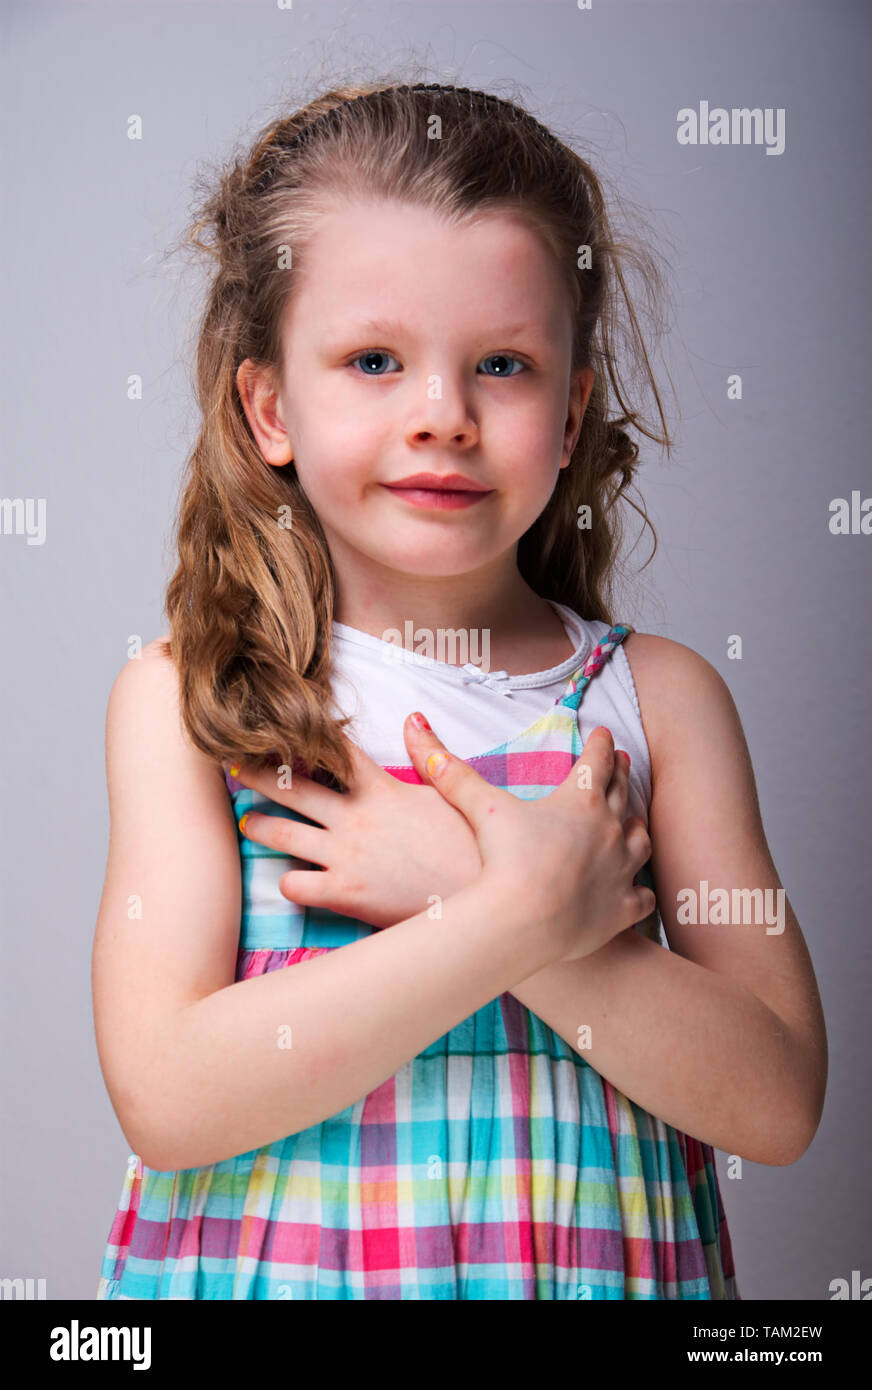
x,y
768,265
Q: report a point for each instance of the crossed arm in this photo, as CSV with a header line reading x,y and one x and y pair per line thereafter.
x,y
692,1046
723,1035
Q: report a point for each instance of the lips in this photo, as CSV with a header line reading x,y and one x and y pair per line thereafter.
x,y
437,495
435,482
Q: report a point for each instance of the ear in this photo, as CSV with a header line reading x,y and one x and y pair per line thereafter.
x,y
580,387
264,411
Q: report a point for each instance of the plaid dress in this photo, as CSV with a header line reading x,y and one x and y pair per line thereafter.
x,y
496,1164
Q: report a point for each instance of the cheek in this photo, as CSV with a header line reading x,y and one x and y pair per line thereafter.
x,y
529,452
327,481
534,423
334,469
347,444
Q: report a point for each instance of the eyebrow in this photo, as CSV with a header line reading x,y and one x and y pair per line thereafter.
x,y
397,327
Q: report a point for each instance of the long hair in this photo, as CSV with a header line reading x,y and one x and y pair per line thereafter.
x,y
250,604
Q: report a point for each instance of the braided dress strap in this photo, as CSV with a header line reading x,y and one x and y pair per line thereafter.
x,y
597,659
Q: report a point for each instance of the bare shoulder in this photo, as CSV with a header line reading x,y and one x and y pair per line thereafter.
x,y
145,675
666,668
153,656
683,699
145,688
144,713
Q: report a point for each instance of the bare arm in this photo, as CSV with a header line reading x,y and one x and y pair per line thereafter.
x,y
196,1064
227,1081
723,1036
694,1047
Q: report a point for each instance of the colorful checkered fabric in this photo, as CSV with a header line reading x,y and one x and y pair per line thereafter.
x,y
496,1164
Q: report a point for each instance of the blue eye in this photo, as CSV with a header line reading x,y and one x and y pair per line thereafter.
x,y
505,358
372,355
368,356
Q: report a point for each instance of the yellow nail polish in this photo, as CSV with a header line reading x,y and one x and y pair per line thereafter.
x,y
243,820
436,764
234,772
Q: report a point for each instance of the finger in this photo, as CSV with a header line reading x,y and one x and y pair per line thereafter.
x,y
638,841
619,786
306,888
593,769
287,836
274,780
454,779
420,741
643,902
300,793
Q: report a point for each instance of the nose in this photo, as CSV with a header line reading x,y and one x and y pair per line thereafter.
x,y
442,416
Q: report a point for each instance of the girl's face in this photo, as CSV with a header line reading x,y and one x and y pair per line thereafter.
x,y
414,346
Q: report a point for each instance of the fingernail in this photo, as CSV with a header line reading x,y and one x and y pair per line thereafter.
x,y
625,754
420,722
243,820
234,772
435,764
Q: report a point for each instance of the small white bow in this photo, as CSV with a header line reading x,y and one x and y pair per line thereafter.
x,y
495,680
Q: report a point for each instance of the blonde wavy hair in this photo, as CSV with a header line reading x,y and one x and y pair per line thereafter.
x,y
250,604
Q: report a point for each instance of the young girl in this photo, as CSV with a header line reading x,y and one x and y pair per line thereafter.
x,y
487,1075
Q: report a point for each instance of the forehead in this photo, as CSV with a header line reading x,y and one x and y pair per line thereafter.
x,y
380,260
